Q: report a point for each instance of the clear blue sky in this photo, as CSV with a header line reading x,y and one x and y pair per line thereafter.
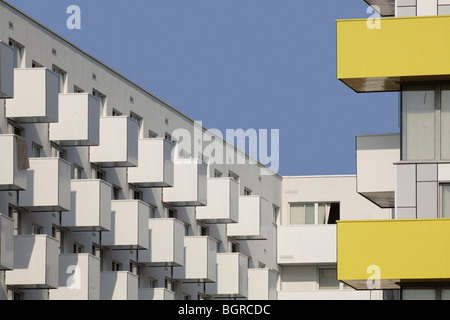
x,y
262,64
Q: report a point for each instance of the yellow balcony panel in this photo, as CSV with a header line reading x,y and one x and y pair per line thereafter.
x,y
407,49
384,254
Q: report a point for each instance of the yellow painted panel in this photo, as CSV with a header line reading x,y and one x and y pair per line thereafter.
x,y
403,49
406,250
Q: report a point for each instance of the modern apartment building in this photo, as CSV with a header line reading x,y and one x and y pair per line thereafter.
x,y
93,204
408,172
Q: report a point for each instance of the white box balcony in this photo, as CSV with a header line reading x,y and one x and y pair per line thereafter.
x,y
48,185
120,285
6,71
35,263
118,145
79,120
223,202
232,276
14,162
306,244
35,96
129,225
253,219
6,243
79,278
90,206
262,284
190,185
375,158
155,168
199,260
156,294
165,244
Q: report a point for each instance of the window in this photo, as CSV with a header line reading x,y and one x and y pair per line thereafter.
x,y
135,193
14,128
14,294
328,279
168,136
170,212
116,192
36,229
203,230
217,174
77,89
16,214
234,176
233,245
426,292
134,268
169,284
116,266
97,251
97,173
152,134
202,296
247,192
261,265
36,150
186,296
19,53
58,152
140,121
62,75
35,64
275,214
445,201
102,99
77,248
314,213
152,283
77,172
58,234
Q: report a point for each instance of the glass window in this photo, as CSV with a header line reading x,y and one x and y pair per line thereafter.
x,y
418,123
19,52
445,122
445,201
62,75
303,213
419,294
328,279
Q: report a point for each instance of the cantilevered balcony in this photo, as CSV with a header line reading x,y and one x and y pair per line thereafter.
x,y
223,202
165,243
199,260
118,143
129,225
306,244
13,162
6,71
232,276
119,285
409,49
48,185
253,219
190,184
79,120
35,96
35,263
156,294
155,167
262,284
6,243
375,158
90,206
393,252
387,7
79,278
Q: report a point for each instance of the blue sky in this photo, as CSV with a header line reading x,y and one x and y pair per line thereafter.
x,y
262,64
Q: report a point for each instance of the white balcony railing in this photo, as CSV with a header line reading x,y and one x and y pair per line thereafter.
x,y
165,244
35,96
79,120
48,185
6,71
223,202
200,258
91,206
118,285
262,284
6,243
118,143
79,278
253,219
156,294
155,167
14,162
35,263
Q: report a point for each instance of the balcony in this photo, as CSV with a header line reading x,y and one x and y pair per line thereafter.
x,y
313,244
35,96
395,251
6,71
35,263
376,155
156,294
402,50
120,285
190,184
91,206
6,243
253,219
78,123
349,295
155,168
14,162
232,276
129,225
165,244
48,185
387,7
118,143
79,278
222,202
199,260
262,284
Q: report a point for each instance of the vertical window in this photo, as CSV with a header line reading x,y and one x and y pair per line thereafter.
x,y
233,246
58,234
36,229
217,174
116,266
62,82
233,175
16,214
14,128
152,134
186,296
418,123
419,294
445,122
314,213
19,53
445,202
134,268
77,248
152,283
275,214
135,193
116,193
203,230
169,284
302,214
328,279
58,152
36,150
140,121
97,173
247,192
77,172
102,99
